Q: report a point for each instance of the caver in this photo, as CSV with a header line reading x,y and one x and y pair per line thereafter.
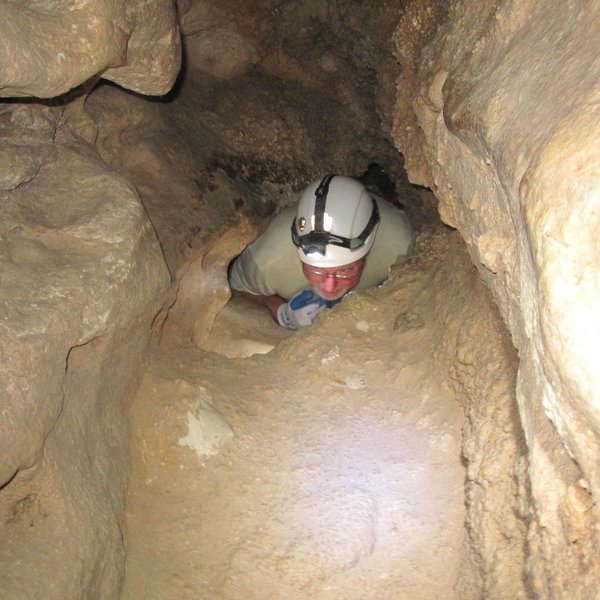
x,y
338,239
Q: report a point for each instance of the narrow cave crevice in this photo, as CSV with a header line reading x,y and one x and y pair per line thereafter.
x,y
345,446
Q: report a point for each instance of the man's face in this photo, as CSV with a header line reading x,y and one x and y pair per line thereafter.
x,y
332,283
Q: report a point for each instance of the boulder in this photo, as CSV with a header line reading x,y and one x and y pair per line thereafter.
x,y
48,48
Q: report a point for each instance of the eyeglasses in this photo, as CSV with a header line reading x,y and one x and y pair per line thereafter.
x,y
343,273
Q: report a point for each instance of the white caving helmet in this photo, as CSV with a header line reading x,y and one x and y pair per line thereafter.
x,y
335,223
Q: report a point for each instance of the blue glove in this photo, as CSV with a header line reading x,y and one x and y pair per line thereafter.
x,y
301,310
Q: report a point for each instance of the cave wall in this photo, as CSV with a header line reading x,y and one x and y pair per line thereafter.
x,y
493,105
504,130
474,352
83,278
283,92
52,46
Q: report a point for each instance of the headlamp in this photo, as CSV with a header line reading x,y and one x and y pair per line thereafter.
x,y
316,242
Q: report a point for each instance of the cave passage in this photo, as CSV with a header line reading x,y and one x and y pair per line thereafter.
x,y
378,454
327,464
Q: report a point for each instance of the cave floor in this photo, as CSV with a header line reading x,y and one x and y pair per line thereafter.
x,y
326,465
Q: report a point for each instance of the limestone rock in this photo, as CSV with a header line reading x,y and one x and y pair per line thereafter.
x,y
18,164
287,91
189,202
83,277
222,53
506,98
47,48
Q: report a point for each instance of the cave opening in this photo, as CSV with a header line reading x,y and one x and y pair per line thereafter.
x,y
162,438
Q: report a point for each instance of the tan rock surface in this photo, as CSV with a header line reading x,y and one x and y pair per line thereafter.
x,y
82,279
188,199
343,477
499,115
505,99
47,48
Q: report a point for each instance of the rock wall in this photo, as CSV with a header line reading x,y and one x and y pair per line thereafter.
x,y
83,278
505,123
496,110
49,47
284,92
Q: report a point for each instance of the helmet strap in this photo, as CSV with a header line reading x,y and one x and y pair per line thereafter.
x,y
320,199
362,238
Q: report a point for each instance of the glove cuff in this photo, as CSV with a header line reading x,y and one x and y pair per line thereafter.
x,y
284,317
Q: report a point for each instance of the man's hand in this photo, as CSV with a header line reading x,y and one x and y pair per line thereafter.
x,y
301,310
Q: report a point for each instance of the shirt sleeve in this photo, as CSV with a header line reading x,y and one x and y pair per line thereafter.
x,y
270,264
246,276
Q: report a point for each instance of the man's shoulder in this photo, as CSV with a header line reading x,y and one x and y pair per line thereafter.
x,y
276,237
395,229
283,219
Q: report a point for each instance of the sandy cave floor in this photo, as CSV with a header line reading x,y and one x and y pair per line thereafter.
x,y
326,466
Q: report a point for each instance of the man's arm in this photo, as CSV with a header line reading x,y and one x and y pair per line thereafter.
x,y
271,302
299,312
